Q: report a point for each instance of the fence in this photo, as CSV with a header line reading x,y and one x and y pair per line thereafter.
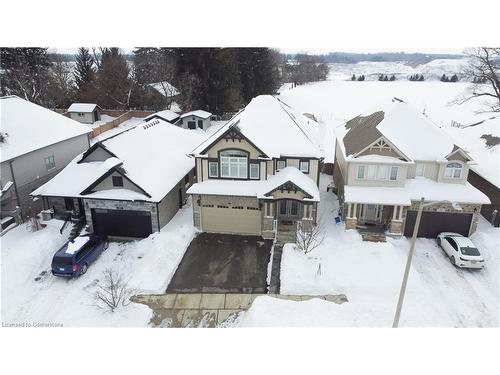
x,y
122,117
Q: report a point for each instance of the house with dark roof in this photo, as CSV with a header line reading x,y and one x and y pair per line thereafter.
x,y
387,160
86,113
249,183
36,144
129,185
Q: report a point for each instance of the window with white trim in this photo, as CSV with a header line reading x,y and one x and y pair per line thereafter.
x,y
372,172
213,169
420,167
453,170
233,164
382,172
304,166
394,173
361,172
254,171
280,164
50,162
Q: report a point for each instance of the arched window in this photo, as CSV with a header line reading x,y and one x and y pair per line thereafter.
x,y
453,170
233,164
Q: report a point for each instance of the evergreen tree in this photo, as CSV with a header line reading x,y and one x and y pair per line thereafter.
x,y
454,78
85,76
381,77
353,78
113,81
393,78
361,77
386,78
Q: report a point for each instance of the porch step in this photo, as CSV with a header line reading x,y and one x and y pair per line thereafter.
x,y
373,237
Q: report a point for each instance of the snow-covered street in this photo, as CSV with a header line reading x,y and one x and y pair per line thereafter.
x,y
370,275
148,265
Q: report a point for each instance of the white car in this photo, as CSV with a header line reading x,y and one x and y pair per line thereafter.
x,y
461,250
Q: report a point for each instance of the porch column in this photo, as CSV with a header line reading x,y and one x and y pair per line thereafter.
x,y
401,213
349,210
354,211
394,212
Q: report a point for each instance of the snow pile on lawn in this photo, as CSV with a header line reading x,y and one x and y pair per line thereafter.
x,y
30,293
267,119
274,312
370,275
29,127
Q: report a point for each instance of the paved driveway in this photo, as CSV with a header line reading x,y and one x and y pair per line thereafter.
x,y
223,263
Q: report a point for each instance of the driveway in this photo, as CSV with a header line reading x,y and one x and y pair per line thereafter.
x,y
223,263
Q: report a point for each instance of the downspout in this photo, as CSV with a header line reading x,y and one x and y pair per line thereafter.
x,y
157,217
15,186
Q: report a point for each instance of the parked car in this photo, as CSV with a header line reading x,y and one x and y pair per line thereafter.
x,y
461,251
74,258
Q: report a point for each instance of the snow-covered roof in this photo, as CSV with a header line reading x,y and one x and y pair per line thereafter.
x,y
164,88
379,159
474,140
274,127
414,190
259,188
154,156
166,114
410,131
198,113
30,127
82,107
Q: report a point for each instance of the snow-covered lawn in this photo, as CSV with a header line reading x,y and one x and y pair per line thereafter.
x,y
147,264
370,275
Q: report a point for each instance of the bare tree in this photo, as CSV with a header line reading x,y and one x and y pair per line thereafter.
x,y
113,292
310,238
483,70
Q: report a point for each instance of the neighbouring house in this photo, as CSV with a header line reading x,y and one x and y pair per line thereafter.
x,y
129,185
482,140
86,113
166,115
195,119
259,173
36,144
386,161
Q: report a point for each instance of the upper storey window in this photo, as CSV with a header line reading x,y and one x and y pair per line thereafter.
x,y
233,164
453,170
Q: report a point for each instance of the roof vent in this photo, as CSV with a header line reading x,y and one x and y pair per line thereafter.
x,y
150,124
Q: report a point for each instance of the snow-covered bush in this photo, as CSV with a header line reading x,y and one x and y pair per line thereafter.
x,y
113,291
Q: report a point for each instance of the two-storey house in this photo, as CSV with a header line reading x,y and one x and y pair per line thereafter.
x,y
386,161
259,173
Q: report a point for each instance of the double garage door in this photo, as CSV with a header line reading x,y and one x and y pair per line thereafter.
x,y
433,223
226,219
121,223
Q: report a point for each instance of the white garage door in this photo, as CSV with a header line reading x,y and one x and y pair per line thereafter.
x,y
225,219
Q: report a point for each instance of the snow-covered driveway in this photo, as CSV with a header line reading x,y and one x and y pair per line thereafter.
x,y
148,264
370,275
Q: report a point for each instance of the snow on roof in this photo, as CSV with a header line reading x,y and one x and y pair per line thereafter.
x,y
31,127
474,140
166,114
76,177
76,244
82,107
198,113
407,129
153,155
274,127
259,188
164,88
414,190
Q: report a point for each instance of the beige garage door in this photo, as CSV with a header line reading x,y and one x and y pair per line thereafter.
x,y
224,219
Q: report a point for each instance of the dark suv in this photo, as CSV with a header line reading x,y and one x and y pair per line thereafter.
x,y
75,256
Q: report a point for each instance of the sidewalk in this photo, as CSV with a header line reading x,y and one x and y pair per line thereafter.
x,y
182,310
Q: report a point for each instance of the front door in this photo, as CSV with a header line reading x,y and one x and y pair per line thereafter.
x,y
371,213
288,210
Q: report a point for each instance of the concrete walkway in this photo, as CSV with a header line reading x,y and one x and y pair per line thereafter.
x,y
203,310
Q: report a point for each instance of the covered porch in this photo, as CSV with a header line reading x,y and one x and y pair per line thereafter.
x,y
375,209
